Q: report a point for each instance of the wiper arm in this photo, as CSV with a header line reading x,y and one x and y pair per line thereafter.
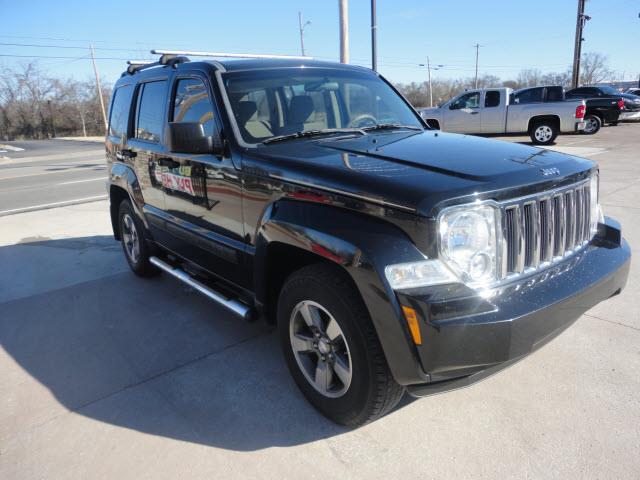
x,y
390,126
313,133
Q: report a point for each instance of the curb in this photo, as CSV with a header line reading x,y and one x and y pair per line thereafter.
x,y
48,206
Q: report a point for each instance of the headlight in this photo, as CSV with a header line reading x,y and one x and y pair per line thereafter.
x,y
596,215
418,274
468,242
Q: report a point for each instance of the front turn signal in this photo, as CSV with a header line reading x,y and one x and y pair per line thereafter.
x,y
412,320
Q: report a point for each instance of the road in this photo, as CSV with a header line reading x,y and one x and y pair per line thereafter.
x,y
50,173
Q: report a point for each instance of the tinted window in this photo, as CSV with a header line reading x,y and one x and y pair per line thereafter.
x,y
531,95
492,99
119,115
150,117
469,100
192,104
554,94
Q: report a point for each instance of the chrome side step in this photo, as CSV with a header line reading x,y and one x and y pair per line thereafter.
x,y
234,306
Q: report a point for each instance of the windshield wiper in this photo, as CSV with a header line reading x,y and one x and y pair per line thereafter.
x,y
390,126
313,133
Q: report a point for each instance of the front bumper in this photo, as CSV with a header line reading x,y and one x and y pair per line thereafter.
x,y
468,336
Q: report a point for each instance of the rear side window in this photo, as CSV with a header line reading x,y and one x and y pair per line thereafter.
x,y
492,99
554,94
150,116
192,104
532,95
119,115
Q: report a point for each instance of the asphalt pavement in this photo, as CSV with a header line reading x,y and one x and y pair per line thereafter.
x,y
42,174
107,375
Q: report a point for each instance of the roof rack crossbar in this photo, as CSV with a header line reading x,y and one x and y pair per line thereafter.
x,y
227,55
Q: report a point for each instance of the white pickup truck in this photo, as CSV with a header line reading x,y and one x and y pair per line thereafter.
x,y
497,110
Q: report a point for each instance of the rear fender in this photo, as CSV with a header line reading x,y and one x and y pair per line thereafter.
x,y
123,176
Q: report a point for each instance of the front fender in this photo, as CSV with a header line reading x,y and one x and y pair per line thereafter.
x,y
363,246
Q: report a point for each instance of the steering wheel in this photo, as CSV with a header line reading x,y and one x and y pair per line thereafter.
x,y
363,120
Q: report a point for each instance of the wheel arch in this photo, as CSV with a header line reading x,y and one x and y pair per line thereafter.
x,y
536,120
124,185
294,234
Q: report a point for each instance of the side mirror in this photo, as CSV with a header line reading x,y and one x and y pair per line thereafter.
x,y
189,137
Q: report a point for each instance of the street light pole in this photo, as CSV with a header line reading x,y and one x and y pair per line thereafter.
x,y
302,25
477,53
577,47
430,86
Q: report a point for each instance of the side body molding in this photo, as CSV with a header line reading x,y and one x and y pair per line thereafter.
x,y
360,244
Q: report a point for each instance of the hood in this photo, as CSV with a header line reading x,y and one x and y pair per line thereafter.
x,y
421,171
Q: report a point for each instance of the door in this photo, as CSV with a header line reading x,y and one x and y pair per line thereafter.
x,y
145,145
493,112
203,192
463,114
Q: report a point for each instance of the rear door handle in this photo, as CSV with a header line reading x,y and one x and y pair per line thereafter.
x,y
168,162
474,113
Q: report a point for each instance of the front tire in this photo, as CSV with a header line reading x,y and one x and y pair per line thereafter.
x,y
332,349
134,245
544,133
593,124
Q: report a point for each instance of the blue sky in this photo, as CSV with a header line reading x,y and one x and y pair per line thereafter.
x,y
514,34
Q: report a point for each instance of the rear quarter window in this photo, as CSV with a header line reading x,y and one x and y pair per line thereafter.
x,y
119,114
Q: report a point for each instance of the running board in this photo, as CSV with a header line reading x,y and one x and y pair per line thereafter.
x,y
240,309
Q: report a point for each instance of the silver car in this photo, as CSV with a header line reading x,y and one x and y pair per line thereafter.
x,y
499,110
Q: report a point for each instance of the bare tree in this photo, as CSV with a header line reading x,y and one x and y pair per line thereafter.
x,y
34,105
594,68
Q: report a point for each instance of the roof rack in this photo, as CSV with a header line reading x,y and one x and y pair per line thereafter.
x,y
226,55
135,65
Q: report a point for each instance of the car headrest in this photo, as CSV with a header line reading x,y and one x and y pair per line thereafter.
x,y
246,110
300,109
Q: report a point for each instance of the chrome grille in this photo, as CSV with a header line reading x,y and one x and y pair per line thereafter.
x,y
544,228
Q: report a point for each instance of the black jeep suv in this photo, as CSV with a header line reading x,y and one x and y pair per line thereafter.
x,y
390,256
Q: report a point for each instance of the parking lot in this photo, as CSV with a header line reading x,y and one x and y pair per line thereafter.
x,y
106,375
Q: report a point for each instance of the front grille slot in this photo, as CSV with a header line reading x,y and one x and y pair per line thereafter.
x,y
544,228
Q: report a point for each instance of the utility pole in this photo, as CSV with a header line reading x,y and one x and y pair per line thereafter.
x,y
99,88
577,47
302,26
430,87
344,31
374,41
477,53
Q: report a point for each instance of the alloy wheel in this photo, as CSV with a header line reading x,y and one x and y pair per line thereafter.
x,y
543,133
130,238
320,349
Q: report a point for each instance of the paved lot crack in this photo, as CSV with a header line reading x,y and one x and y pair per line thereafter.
x,y
611,321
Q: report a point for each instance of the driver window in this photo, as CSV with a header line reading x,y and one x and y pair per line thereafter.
x,y
468,100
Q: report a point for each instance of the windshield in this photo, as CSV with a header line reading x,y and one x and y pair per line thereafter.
x,y
286,101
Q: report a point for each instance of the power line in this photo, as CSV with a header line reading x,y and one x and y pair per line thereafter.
x,y
73,47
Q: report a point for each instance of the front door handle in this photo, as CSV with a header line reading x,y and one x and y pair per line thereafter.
x,y
474,113
168,162
122,154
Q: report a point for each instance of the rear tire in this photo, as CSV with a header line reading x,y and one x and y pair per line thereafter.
x,y
134,244
593,125
321,315
544,132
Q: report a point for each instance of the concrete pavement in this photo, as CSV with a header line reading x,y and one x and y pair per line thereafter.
x,y
106,375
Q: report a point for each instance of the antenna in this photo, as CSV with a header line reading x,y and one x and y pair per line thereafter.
x,y
227,55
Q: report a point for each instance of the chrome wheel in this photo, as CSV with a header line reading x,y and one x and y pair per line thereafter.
x,y
592,125
320,349
130,238
543,133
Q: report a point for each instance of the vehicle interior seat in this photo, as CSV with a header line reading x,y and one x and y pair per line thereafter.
x,y
248,121
300,109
